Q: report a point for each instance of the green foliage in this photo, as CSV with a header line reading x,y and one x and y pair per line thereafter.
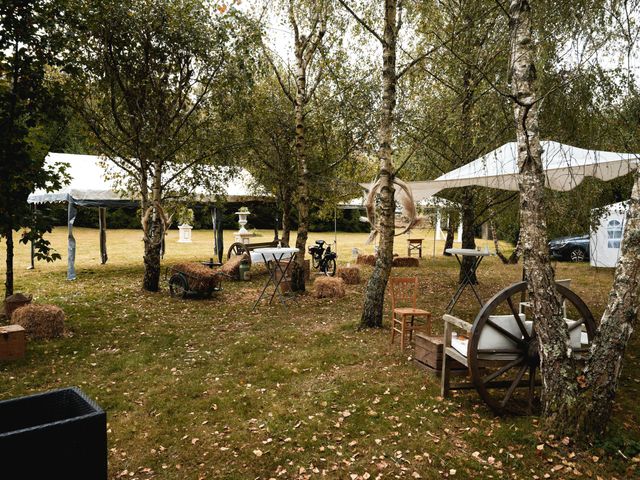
x,y
158,84
31,116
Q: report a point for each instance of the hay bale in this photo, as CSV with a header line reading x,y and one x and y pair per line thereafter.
x,y
232,266
350,275
40,321
15,301
328,287
200,277
406,262
366,260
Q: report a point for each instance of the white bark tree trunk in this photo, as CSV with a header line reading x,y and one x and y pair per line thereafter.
x,y
373,309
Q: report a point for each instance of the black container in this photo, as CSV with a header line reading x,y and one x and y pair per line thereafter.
x,y
58,434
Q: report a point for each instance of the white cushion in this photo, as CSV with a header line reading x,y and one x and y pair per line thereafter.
x,y
492,339
577,336
460,345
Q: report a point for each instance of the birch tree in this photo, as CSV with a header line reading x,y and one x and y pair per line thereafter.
x,y
576,400
308,22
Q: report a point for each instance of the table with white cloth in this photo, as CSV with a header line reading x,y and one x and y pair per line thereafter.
x,y
273,259
468,276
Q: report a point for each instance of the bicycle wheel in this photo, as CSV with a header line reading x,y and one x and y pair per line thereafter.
x,y
329,267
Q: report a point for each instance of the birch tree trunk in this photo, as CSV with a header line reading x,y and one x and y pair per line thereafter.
x,y
602,373
560,393
373,309
297,274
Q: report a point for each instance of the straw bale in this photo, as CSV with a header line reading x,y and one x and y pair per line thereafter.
x,y
406,262
15,301
232,266
366,260
328,287
40,321
350,275
200,277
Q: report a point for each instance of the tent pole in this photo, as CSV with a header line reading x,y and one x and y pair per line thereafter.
x,y
435,231
335,229
71,241
33,246
102,223
213,225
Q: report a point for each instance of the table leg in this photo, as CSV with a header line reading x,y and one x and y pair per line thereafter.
x,y
266,285
466,280
283,274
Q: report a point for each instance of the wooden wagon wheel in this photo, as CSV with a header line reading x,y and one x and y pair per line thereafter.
x,y
499,373
236,249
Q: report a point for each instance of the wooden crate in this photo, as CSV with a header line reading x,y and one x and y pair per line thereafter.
x,y
13,342
428,352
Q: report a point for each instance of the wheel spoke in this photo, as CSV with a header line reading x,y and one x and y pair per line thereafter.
x,y
500,350
516,315
576,325
513,386
501,370
507,334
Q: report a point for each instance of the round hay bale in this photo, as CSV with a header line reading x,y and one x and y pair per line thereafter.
x,y
406,262
366,260
328,287
15,301
350,275
40,321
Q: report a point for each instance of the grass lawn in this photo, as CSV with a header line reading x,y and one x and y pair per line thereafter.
x,y
199,389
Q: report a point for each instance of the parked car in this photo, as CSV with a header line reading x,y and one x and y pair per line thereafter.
x,y
575,249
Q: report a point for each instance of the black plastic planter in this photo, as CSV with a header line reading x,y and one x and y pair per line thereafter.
x,y
58,434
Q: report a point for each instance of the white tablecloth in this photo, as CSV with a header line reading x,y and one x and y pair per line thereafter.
x,y
260,254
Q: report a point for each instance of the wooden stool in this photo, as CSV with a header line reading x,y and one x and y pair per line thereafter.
x,y
414,244
406,289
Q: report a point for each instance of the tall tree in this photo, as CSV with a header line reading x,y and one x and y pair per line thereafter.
x,y
156,83
308,21
30,117
372,312
576,400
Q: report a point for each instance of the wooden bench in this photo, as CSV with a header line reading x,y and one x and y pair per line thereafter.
x,y
238,248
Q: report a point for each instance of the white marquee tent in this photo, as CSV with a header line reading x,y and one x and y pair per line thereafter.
x,y
606,239
90,187
565,168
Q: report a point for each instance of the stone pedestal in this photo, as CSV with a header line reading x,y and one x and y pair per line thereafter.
x,y
185,233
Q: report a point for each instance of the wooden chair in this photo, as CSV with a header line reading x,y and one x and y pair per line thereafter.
x,y
403,318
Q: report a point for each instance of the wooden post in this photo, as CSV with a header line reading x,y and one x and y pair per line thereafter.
x,y
102,223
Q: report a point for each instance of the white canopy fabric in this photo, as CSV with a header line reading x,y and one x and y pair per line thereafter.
x,y
565,168
89,185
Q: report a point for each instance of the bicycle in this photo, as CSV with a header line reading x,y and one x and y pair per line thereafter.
x,y
323,259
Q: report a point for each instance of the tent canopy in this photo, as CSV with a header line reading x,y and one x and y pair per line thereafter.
x,y
565,168
89,186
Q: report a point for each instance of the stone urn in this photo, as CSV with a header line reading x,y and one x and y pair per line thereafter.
x,y
242,235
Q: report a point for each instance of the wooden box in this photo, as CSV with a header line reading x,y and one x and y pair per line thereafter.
x,y
428,352
13,342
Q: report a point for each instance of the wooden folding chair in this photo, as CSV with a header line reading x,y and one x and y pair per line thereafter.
x,y
403,318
